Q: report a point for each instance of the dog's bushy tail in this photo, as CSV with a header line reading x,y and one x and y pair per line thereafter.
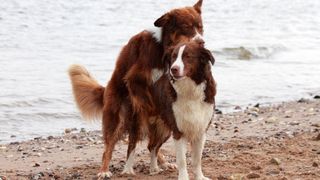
x,y
87,92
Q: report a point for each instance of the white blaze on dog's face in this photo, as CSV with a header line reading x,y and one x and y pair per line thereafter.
x,y
198,36
177,68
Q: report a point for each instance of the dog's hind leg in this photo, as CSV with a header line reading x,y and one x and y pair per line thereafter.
x,y
157,136
133,139
112,131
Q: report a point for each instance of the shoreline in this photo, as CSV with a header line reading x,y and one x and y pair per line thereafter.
x,y
271,142
225,110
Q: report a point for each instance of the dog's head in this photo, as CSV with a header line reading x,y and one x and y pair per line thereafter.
x,y
181,25
191,60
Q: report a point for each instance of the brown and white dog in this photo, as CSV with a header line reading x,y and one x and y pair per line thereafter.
x,y
185,98
126,104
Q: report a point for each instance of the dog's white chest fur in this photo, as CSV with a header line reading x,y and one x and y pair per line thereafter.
x,y
191,112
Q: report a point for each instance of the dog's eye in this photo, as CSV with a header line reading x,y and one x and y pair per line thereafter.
x,y
174,56
186,26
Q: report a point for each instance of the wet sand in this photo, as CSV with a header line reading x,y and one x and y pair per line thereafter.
x,y
274,142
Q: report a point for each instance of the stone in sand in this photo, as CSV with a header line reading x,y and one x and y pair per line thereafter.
x,y
253,175
275,161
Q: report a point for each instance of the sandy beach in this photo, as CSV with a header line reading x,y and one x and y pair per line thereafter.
x,y
275,142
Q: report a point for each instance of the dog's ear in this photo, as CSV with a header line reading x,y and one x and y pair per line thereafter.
x,y
206,55
198,6
160,22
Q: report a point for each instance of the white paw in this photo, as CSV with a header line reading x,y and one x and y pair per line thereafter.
x,y
201,178
128,171
155,170
183,176
103,175
167,166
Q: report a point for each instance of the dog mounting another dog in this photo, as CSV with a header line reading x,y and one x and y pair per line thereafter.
x,y
130,104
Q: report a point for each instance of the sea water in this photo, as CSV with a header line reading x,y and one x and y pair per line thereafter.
x,y
266,51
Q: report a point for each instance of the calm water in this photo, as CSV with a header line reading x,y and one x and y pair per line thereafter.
x,y
40,39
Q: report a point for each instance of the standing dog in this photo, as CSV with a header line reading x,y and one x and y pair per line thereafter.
x,y
126,104
185,98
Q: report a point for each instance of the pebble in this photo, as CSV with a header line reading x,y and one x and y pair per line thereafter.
x,y
37,154
255,168
253,176
50,137
314,164
20,148
237,108
37,176
37,138
257,105
237,177
36,165
218,111
254,113
255,109
302,100
83,130
67,131
14,143
294,123
273,172
316,97
90,139
271,120
275,161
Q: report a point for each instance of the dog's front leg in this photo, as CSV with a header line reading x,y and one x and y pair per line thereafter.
x,y
196,155
181,149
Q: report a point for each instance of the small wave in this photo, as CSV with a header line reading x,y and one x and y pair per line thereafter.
x,y
247,53
27,103
16,104
41,116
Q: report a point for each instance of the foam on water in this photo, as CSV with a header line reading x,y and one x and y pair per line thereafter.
x,y
266,51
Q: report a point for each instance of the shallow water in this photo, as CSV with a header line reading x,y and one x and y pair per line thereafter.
x,y
266,51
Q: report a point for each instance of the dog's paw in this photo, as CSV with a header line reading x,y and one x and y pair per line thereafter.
x,y
168,166
155,170
128,171
104,175
201,178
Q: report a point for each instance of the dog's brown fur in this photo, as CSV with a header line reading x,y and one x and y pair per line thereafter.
x,y
126,104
